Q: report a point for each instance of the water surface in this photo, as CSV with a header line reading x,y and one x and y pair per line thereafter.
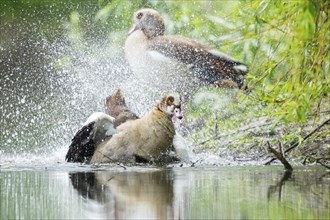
x,y
66,191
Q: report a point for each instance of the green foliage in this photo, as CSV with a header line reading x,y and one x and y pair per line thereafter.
x,y
290,65
215,115
285,43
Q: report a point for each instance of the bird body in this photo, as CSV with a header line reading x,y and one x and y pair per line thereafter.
x,y
133,140
153,67
147,138
97,128
176,62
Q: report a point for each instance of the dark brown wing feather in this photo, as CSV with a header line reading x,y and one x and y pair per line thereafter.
x,y
82,146
210,66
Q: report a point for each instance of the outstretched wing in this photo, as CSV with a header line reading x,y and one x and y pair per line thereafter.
x,y
82,146
210,65
98,128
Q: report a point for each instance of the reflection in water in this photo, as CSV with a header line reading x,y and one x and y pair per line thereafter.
x,y
272,189
301,192
124,195
177,193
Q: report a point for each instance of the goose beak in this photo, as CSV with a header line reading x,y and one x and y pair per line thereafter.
x,y
133,28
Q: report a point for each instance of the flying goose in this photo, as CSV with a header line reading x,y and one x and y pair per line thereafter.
x,y
176,62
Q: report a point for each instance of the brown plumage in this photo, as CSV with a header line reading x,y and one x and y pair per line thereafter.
x,y
143,139
149,52
116,107
133,140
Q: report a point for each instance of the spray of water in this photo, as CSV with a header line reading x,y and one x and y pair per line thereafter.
x,y
49,88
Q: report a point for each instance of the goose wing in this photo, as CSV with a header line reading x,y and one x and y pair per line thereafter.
x,y
98,128
210,65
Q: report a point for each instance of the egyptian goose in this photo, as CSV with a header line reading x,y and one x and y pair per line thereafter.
x,y
135,140
176,62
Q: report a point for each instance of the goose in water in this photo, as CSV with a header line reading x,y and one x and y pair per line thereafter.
x,y
120,136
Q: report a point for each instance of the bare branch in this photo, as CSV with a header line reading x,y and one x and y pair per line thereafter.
x,y
304,138
280,157
319,160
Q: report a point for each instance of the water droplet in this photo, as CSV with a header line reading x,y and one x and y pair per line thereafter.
x,y
23,100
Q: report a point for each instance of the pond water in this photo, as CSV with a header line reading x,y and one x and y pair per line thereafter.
x,y
66,191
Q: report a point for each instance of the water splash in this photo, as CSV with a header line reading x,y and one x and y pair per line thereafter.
x,y
43,106
50,87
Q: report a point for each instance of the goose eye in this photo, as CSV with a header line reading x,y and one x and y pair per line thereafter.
x,y
139,15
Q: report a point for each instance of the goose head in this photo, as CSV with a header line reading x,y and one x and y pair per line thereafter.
x,y
171,105
149,21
